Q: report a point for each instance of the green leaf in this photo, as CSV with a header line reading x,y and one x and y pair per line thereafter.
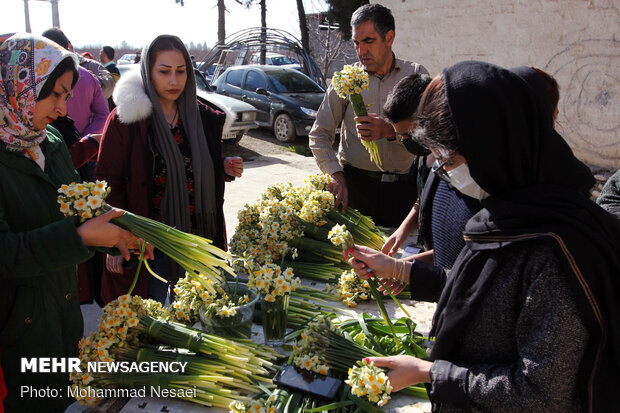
x,y
364,405
369,336
331,406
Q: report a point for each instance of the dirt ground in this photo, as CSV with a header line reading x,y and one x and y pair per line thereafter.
x,y
261,141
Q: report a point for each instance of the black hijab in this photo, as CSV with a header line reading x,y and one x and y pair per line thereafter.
x,y
537,191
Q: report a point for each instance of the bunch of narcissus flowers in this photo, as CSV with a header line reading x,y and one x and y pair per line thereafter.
x,y
83,200
196,291
309,352
115,331
351,80
352,289
267,225
368,380
271,282
349,84
192,252
253,406
340,237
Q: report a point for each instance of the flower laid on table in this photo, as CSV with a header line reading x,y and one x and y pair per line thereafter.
x,y
319,182
352,289
349,83
116,330
191,295
253,406
264,230
293,222
309,352
193,253
131,329
316,206
368,380
271,282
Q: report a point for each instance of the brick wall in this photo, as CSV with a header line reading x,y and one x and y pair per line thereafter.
x,y
577,41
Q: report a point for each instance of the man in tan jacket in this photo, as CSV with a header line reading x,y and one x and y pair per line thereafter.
x,y
386,195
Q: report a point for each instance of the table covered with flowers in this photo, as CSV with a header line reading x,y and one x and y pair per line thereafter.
x,y
306,308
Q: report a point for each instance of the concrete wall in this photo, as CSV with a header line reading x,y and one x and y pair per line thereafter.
x,y
577,41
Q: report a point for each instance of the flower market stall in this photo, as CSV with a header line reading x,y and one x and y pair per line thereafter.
x,y
292,300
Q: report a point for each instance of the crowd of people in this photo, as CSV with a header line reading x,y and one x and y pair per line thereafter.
x,y
523,265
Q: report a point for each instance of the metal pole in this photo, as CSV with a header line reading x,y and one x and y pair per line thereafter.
x,y
27,16
55,18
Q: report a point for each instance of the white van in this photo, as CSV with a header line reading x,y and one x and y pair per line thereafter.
x,y
275,59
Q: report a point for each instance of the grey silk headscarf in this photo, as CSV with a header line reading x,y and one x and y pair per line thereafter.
x,y
175,202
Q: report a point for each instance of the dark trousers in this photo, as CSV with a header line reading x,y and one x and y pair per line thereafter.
x,y
388,203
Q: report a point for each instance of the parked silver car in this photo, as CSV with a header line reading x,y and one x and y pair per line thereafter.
x,y
243,114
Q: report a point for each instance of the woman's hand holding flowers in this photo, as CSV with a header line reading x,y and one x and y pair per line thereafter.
x,y
100,232
404,370
367,262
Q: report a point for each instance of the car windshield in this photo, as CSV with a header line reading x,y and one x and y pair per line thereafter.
x,y
281,60
201,82
293,82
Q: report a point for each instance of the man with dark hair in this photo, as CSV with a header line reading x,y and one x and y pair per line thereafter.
x,y
386,195
400,106
106,56
105,78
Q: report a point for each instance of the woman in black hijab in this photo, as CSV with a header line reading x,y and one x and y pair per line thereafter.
x,y
528,317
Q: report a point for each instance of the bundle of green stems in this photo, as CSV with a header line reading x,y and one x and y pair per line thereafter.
x,y
192,252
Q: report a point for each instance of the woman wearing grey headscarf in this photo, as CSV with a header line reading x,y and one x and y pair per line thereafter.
x,y
161,154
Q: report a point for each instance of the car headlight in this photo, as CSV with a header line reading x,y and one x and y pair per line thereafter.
x,y
309,112
248,116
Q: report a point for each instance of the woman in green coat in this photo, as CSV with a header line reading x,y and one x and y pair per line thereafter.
x,y
40,248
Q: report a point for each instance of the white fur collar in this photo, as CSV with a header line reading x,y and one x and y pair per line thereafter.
x,y
133,104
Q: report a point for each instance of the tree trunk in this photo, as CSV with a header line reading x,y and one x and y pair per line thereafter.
x,y
221,22
303,26
27,16
263,34
55,18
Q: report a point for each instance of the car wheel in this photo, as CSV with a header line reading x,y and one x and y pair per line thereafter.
x,y
235,140
284,128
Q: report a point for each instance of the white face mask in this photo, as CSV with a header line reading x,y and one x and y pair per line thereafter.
x,y
464,183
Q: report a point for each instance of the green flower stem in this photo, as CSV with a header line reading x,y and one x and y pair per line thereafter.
x,y
392,296
379,299
359,107
135,277
191,252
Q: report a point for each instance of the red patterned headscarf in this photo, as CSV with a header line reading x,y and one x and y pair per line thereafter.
x,y
26,61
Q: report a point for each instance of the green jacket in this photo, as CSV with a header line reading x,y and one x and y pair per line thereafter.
x,y
39,249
